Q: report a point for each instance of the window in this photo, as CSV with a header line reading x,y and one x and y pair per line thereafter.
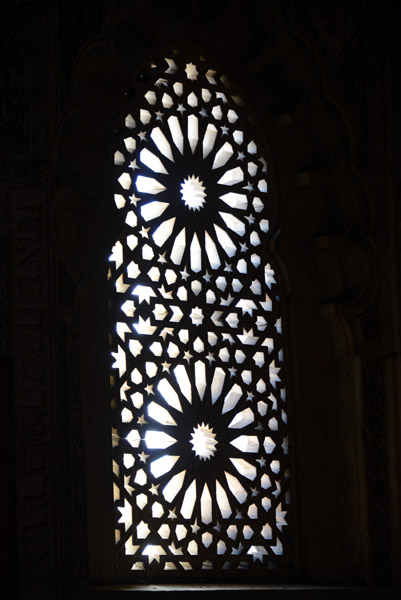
x,y
200,452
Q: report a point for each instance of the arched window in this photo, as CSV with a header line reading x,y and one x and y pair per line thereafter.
x,y
200,453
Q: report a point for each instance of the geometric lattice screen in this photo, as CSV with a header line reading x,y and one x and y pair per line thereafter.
x,y
200,451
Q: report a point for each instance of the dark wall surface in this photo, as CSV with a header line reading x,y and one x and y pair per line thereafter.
x,y
322,83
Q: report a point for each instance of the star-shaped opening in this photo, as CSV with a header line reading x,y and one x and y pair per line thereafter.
x,y
204,442
193,193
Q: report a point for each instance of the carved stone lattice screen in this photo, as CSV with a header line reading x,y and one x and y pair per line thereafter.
x,y
200,450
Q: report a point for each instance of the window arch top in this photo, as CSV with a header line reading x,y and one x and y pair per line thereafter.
x,y
199,412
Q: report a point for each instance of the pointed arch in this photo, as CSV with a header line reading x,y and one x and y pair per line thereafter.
x,y
199,407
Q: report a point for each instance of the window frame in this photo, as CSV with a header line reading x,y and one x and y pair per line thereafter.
x,y
185,58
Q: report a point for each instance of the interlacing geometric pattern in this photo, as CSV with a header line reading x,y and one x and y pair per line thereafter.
x,y
199,408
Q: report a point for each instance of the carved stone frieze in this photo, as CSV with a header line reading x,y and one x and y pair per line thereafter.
x,y
5,294
35,412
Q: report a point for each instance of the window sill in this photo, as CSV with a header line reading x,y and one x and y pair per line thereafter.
x,y
233,591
